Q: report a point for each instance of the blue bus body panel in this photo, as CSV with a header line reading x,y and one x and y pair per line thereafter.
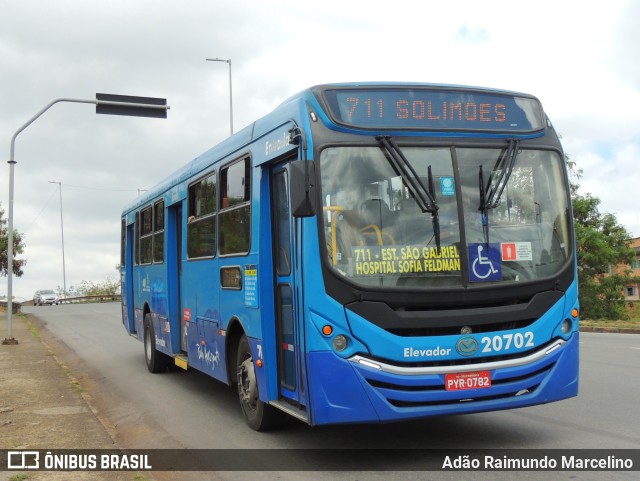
x,y
206,348
150,288
337,399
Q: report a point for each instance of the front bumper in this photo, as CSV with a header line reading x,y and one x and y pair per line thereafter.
x,y
48,301
367,390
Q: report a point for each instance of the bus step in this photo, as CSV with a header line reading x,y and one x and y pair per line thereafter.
x,y
181,361
294,411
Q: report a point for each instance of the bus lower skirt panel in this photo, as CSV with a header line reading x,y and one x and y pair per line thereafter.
x,y
387,397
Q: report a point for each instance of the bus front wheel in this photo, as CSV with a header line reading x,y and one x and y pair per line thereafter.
x,y
156,360
258,414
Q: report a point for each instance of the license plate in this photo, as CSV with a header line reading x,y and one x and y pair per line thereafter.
x,y
461,381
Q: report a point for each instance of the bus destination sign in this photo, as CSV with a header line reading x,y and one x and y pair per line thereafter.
x,y
431,108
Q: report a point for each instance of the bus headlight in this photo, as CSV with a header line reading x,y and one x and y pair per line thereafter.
x,y
566,327
340,343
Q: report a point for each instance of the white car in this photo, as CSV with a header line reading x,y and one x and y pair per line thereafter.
x,y
45,297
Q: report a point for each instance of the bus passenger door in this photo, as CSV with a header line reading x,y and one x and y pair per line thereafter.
x,y
178,290
127,294
289,337
174,275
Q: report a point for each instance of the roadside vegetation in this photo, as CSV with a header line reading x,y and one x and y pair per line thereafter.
x,y
631,322
18,248
108,287
603,250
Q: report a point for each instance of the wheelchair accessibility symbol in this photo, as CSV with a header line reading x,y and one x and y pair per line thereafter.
x,y
484,262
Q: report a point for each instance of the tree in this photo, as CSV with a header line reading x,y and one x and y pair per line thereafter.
x,y
602,245
109,287
18,248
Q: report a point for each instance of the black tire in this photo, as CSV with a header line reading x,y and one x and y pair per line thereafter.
x,y
259,415
156,361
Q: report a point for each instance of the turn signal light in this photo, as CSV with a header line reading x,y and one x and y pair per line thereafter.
x,y
327,330
575,312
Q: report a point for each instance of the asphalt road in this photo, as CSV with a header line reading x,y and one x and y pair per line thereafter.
x,y
189,410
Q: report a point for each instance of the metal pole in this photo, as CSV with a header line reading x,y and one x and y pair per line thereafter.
x,y
64,272
230,90
230,98
9,339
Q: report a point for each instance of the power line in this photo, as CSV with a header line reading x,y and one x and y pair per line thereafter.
x,y
78,187
41,211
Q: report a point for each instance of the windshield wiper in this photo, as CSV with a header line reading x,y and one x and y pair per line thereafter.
x,y
435,217
425,198
491,193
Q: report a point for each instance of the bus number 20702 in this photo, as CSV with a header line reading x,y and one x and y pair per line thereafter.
x,y
504,342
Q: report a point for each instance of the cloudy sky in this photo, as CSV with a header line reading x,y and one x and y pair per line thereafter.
x,y
579,59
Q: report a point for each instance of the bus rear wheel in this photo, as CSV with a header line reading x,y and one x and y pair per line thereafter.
x,y
258,414
156,361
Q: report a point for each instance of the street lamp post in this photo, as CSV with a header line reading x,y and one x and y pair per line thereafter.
x,y
230,89
64,272
105,104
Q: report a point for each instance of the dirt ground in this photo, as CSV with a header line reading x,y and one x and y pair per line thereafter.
x,y
42,406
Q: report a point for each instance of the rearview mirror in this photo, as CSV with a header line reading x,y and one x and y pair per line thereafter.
x,y
302,175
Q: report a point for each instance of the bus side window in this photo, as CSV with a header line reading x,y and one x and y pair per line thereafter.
x,y
158,232
201,224
146,235
137,254
235,214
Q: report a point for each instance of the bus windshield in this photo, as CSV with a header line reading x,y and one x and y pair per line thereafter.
x,y
502,216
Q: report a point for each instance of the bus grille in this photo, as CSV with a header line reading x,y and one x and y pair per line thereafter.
x,y
454,329
405,385
428,395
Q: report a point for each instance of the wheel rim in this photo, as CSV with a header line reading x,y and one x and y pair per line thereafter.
x,y
247,386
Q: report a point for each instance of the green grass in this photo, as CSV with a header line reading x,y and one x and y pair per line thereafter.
x,y
35,332
76,386
604,323
19,477
140,477
634,312
632,323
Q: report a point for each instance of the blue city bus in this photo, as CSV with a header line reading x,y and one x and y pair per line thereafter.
x,y
365,253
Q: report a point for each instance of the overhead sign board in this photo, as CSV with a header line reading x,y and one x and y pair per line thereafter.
x,y
110,104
